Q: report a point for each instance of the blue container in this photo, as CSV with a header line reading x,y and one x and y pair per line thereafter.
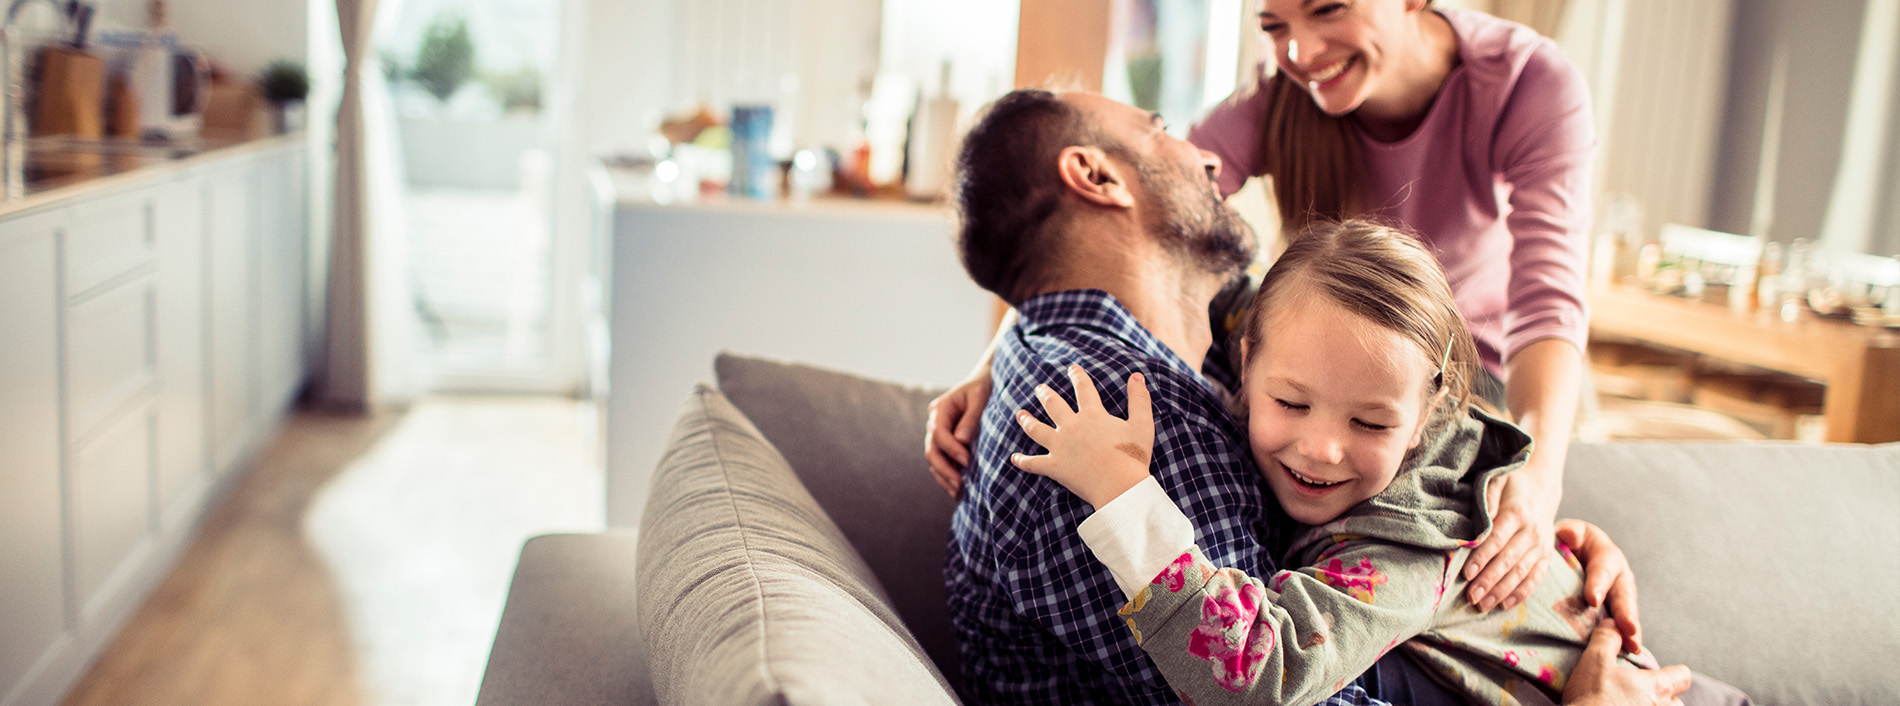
x,y
752,166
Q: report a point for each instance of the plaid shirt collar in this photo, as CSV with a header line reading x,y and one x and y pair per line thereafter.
x,y
1098,310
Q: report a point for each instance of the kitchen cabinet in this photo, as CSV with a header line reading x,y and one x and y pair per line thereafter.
x,y
281,272
183,456
138,374
32,539
228,224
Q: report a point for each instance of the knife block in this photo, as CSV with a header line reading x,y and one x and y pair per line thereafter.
x,y
70,94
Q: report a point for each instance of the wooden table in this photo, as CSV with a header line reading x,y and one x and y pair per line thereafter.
x,y
1859,364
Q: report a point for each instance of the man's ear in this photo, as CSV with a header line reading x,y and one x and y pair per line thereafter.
x,y
1088,173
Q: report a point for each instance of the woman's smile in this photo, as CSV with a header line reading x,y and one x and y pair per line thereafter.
x,y
1327,76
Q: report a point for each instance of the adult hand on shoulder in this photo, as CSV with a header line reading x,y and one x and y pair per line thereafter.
x,y
1601,679
1513,557
954,418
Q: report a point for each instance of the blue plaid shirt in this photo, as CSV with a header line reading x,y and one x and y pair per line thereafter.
x,y
1034,611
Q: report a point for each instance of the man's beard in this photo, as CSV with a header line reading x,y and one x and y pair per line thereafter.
x,y
1195,223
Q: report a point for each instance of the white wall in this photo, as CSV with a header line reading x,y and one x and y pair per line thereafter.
x,y
977,36
245,35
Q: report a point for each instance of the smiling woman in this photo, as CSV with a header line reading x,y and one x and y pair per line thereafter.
x,y
1414,114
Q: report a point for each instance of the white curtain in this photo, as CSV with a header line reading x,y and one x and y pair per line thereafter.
x,y
369,352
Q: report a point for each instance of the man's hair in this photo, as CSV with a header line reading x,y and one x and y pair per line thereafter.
x,y
1007,187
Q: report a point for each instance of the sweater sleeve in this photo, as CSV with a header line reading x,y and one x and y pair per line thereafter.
x,y
1223,637
1545,143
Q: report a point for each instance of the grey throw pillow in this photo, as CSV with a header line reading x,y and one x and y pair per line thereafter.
x,y
1769,566
857,444
749,594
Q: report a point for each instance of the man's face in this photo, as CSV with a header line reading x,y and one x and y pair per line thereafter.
x,y
1177,186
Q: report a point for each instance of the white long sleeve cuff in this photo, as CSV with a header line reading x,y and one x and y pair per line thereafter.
x,y
1137,535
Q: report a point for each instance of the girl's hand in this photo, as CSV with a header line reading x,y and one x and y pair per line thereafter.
x,y
1511,561
954,418
1093,453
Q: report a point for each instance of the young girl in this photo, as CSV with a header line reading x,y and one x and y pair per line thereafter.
x,y
1356,376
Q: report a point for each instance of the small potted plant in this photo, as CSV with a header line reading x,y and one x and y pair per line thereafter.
x,y
446,58
285,85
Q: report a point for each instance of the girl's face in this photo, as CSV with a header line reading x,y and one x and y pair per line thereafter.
x,y
1335,401
1343,51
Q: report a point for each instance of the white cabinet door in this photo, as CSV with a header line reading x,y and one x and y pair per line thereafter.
x,y
280,242
229,233
32,574
183,457
112,528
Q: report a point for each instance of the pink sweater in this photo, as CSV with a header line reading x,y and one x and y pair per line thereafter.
x,y
1496,179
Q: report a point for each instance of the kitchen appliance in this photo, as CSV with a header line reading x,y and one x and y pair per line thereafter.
x,y
171,82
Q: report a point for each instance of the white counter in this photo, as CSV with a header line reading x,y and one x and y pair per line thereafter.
x,y
870,287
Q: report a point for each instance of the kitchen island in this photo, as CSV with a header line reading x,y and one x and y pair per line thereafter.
x,y
154,329
864,285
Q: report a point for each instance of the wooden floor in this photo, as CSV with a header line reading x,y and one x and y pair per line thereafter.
x,y
361,561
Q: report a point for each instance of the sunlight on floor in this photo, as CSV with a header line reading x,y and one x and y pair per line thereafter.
x,y
421,533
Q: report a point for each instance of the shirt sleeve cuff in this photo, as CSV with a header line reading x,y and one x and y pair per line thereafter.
x,y
1137,535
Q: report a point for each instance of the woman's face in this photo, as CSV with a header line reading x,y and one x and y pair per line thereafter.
x,y
1334,403
1343,51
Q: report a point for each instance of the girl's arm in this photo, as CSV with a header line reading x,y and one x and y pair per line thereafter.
x,y
1219,635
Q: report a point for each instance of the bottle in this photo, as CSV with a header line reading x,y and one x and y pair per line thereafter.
x,y
932,142
1768,275
152,74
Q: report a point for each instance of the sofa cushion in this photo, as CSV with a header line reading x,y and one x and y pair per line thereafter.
x,y
748,592
1769,566
857,444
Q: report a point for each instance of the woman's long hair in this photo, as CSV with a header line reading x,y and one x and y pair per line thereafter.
x,y
1313,157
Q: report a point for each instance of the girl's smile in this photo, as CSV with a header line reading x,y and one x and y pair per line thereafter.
x,y
1335,402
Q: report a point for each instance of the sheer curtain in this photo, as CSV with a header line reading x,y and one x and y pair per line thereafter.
x,y
369,356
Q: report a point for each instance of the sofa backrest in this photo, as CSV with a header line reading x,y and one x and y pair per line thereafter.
x,y
1771,566
857,445
749,594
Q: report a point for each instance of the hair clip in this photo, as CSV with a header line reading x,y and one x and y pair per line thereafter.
x,y
1438,381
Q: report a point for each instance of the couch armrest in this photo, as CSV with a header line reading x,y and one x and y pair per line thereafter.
x,y
570,632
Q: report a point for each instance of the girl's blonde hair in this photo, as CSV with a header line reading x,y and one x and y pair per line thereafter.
x,y
1382,273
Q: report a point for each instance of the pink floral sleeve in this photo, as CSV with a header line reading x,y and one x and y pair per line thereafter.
x,y
1221,636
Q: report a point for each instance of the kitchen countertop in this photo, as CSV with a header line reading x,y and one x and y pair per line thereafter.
x,y
59,168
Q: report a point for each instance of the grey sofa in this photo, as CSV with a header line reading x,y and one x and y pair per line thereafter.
x,y
792,543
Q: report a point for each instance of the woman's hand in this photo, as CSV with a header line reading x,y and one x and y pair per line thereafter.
x,y
1093,453
1601,679
1511,560
954,418
1607,580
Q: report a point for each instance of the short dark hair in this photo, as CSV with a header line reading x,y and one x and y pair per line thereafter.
x,y
1007,187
